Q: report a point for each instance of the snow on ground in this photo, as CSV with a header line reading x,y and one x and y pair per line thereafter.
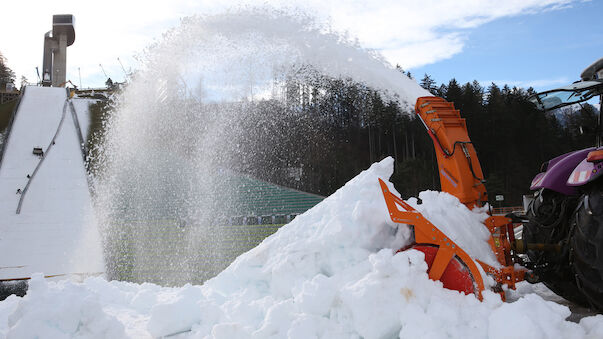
x,y
330,273
524,288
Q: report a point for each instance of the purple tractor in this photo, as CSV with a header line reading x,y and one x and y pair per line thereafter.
x,y
566,213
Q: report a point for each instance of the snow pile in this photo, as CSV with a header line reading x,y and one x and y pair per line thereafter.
x,y
331,273
463,226
56,312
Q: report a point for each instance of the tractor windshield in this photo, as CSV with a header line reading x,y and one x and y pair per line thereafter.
x,y
568,95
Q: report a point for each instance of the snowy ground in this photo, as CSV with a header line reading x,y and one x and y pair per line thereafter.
x,y
524,288
331,273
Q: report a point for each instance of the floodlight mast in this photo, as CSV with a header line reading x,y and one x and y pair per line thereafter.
x,y
54,68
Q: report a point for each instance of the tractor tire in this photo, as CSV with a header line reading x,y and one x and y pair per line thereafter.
x,y
547,220
587,247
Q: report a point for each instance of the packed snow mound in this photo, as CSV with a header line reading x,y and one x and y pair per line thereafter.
x,y
463,226
331,273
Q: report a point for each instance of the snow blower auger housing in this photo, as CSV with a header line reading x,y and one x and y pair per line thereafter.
x,y
460,175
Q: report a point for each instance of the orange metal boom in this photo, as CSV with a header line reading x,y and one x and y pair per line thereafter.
x,y
460,172
460,175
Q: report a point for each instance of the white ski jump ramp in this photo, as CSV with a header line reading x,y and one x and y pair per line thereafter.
x,y
47,222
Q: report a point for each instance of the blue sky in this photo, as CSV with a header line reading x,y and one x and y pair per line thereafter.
x,y
544,50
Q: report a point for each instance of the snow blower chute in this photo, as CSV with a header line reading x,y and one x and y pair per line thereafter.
x,y
460,175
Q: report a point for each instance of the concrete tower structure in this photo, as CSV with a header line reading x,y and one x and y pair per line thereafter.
x,y
54,66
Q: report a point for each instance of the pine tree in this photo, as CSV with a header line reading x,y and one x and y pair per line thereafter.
x,y
429,84
453,92
6,74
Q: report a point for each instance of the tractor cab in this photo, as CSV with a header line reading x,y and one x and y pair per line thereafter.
x,y
590,85
577,92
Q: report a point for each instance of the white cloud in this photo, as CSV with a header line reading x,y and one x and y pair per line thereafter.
x,y
439,48
423,32
411,33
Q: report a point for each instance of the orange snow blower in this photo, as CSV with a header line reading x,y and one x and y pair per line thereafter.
x,y
460,175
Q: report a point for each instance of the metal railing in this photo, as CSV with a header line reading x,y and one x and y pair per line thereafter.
x,y
506,210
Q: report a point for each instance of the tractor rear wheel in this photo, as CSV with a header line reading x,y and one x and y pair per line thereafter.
x,y
549,224
587,247
456,276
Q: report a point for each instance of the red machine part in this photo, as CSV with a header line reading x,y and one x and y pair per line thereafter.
x,y
595,156
456,276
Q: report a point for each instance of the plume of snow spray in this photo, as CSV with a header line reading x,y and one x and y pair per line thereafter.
x,y
177,130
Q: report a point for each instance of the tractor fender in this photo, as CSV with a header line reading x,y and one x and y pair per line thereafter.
x,y
585,172
558,172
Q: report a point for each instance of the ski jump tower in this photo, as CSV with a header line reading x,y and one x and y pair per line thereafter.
x,y
55,50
